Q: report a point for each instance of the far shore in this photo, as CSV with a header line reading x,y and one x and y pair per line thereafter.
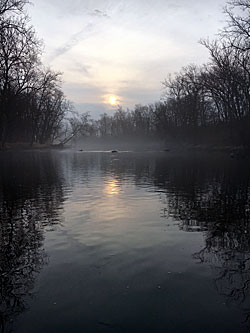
x,y
233,151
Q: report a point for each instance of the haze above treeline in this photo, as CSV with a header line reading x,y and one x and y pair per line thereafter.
x,y
208,104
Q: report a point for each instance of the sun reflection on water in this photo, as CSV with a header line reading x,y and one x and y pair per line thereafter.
x,y
112,187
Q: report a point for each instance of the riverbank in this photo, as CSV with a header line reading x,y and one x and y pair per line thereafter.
x,y
90,145
34,146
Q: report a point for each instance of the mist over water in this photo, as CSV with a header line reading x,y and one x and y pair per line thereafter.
x,y
127,242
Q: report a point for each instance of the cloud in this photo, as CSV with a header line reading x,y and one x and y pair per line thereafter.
x,y
135,95
80,68
73,40
84,92
94,109
78,36
99,13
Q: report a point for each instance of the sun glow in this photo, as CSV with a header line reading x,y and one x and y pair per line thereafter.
x,y
112,100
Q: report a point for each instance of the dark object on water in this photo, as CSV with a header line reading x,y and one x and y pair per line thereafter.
x,y
167,149
80,149
103,323
239,154
114,151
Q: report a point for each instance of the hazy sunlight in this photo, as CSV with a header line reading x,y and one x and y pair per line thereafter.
x,y
112,100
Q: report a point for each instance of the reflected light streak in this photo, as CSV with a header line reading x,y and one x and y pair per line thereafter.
x,y
112,187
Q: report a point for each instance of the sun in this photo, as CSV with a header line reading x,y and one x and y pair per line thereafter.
x,y
112,100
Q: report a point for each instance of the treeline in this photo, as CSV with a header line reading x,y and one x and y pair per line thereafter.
x,y
201,104
144,121
32,104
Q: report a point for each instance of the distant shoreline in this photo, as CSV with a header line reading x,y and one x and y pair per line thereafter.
x,y
233,151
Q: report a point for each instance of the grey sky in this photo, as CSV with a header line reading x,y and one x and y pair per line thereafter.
x,y
122,48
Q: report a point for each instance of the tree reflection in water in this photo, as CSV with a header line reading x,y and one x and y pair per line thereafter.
x,y
30,195
215,198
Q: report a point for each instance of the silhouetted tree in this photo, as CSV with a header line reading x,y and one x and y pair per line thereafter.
x,y
32,104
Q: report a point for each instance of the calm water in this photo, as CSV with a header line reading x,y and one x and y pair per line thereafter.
x,y
128,242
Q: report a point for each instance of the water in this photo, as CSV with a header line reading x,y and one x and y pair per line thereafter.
x,y
128,242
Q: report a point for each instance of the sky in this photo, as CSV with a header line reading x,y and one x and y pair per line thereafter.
x,y
122,48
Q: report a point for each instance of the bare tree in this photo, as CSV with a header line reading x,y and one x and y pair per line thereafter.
x,y
10,6
238,25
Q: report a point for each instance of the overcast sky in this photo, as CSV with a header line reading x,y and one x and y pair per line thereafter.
x,y
122,48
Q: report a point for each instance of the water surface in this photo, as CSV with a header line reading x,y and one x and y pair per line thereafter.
x,y
128,242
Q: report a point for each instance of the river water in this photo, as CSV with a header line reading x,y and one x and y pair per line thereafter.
x,y
127,242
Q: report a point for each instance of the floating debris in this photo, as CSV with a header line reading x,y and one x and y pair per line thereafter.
x,y
103,323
